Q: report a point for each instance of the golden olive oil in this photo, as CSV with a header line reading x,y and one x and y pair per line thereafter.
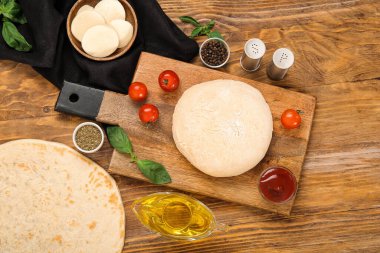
x,y
175,215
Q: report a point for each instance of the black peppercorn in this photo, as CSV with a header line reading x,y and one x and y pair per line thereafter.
x,y
214,53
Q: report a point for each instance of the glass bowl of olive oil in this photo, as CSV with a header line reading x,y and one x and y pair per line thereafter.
x,y
175,215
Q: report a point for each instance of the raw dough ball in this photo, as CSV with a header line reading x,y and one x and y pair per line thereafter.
x,y
85,20
222,127
110,10
85,8
100,41
124,30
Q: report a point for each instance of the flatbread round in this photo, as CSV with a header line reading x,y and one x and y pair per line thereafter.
x,y
85,20
110,10
124,31
53,199
85,8
100,41
222,127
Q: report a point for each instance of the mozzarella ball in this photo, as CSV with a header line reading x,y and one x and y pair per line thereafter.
x,y
100,41
85,8
85,20
110,10
124,30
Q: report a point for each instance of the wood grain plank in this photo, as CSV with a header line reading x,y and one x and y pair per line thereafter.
x,y
333,41
319,233
348,116
253,230
21,96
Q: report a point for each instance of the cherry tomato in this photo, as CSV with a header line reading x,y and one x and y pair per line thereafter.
x,y
168,80
148,113
138,91
290,119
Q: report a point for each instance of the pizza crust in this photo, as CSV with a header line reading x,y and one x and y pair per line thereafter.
x,y
223,127
53,199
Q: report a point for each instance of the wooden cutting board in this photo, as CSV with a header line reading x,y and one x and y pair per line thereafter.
x,y
155,142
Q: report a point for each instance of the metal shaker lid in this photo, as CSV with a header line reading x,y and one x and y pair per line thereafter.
x,y
283,58
254,48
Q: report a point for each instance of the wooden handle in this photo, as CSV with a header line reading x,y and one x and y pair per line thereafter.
x,y
116,108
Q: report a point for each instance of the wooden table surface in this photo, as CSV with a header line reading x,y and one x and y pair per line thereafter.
x,y
337,49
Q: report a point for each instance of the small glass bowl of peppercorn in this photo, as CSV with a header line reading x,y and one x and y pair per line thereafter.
x,y
88,137
214,53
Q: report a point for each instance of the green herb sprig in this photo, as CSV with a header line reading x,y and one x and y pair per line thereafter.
x,y
200,29
11,13
154,171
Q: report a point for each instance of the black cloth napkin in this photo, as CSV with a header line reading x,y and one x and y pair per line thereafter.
x,y
55,58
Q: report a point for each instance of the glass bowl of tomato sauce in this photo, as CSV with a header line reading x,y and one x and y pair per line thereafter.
x,y
277,185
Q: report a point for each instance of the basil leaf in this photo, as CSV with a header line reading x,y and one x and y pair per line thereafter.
x,y
13,38
215,34
211,24
155,172
196,32
6,6
119,140
12,10
190,20
204,30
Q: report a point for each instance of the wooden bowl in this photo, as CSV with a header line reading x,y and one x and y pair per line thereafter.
x,y
130,16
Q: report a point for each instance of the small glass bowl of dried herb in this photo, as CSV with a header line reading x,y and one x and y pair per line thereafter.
x,y
214,53
88,137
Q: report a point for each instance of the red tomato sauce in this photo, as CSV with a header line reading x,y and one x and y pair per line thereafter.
x,y
277,184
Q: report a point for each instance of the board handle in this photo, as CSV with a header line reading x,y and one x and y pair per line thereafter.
x,y
79,100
